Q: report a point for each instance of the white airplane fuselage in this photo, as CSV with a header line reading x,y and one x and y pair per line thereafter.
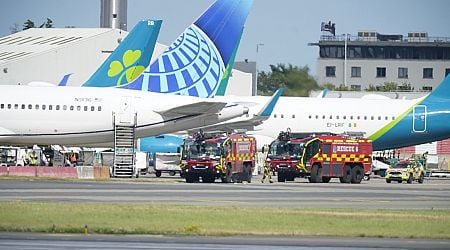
x,y
85,116
390,123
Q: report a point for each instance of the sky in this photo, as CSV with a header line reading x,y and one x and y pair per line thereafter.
x,y
281,29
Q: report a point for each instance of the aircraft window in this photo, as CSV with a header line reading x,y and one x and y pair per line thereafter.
x,y
36,107
85,108
331,117
2,106
275,116
309,116
282,116
43,107
358,117
65,107
9,106
386,118
323,117
345,117
71,107
99,108
379,117
50,107
57,107
293,116
23,106
393,118
337,117
371,118
79,108
317,117
16,106
92,108
30,106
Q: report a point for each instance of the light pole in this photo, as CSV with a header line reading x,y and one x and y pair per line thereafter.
x,y
345,58
256,68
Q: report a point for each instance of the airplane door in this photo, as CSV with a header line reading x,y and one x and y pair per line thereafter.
x,y
419,119
126,114
126,105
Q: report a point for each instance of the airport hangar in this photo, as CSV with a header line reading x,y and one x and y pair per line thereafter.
x,y
47,54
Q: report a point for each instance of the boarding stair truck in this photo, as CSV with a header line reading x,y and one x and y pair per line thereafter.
x,y
230,157
320,157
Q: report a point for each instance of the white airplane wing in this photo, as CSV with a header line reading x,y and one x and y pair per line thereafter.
x,y
250,123
199,108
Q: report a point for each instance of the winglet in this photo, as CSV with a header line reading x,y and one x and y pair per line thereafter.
x,y
130,58
64,80
322,93
266,111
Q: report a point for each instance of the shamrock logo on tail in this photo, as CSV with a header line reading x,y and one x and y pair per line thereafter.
x,y
126,68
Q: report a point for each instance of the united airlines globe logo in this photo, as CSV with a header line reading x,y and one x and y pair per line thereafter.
x,y
191,66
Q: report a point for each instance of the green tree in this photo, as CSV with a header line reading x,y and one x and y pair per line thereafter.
x,y
328,86
47,24
295,80
371,88
14,28
28,24
389,86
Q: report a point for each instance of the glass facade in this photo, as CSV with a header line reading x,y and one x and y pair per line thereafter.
x,y
385,52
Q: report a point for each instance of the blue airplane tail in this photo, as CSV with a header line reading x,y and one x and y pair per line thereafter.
x,y
442,90
130,58
195,63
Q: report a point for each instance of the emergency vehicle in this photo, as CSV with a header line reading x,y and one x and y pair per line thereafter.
x,y
230,157
406,170
320,157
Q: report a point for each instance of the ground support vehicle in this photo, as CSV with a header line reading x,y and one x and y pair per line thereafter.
x,y
166,163
406,170
230,157
320,157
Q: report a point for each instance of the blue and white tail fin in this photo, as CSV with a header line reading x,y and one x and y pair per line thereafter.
x,y
195,63
130,58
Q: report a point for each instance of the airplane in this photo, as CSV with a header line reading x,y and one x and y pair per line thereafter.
x,y
215,35
84,116
127,61
200,58
389,123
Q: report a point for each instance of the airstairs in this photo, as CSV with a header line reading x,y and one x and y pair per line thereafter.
x,y
124,145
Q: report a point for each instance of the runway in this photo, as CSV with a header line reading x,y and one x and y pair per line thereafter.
x,y
13,241
375,194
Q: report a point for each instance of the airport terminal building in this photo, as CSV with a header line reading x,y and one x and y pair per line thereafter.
x,y
416,62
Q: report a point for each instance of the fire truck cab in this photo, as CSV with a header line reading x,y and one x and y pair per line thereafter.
x,y
320,157
209,156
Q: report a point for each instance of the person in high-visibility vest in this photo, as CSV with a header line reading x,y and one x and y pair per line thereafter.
x,y
267,173
33,158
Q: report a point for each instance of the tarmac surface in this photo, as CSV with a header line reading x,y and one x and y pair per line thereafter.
x,y
375,193
13,241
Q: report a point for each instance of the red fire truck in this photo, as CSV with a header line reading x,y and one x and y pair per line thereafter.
x,y
320,157
209,156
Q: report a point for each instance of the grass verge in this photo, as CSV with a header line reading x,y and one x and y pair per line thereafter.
x,y
101,218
